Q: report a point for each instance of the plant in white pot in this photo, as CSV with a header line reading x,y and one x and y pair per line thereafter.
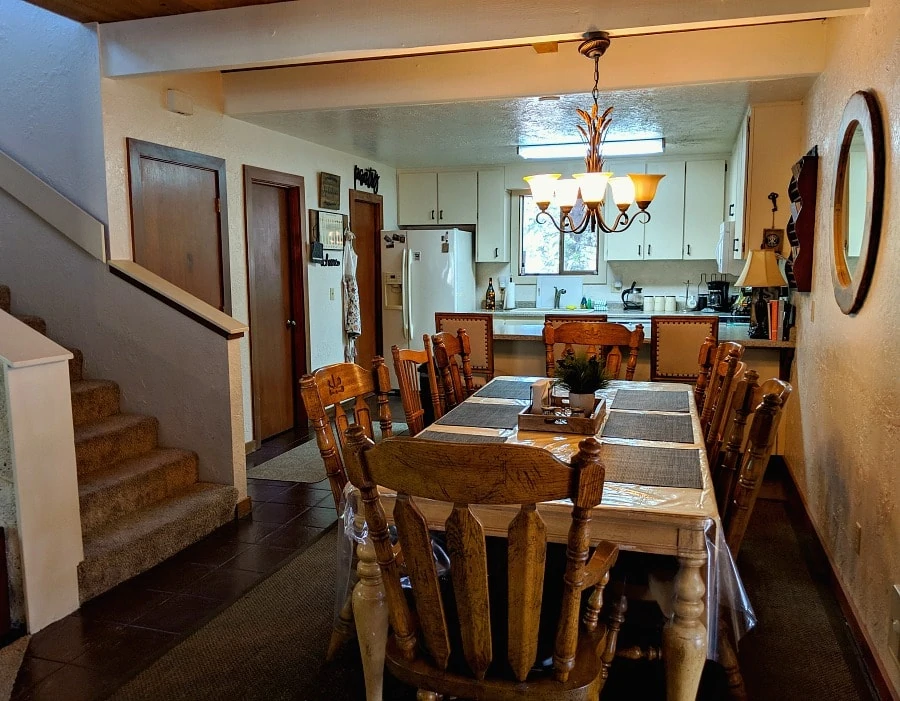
x,y
582,376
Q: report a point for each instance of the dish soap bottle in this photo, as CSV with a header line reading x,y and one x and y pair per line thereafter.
x,y
490,299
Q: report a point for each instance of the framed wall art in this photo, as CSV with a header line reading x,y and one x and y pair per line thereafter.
x,y
329,191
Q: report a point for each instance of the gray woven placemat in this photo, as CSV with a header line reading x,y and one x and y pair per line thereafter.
x,y
650,400
506,389
655,467
459,437
482,415
649,427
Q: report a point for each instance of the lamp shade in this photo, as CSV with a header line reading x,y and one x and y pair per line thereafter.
x,y
542,187
761,270
593,186
566,193
645,185
622,191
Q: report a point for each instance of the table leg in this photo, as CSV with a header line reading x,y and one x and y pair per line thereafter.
x,y
684,637
371,616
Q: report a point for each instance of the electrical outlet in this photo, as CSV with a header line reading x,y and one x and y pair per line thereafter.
x,y
894,627
857,538
331,293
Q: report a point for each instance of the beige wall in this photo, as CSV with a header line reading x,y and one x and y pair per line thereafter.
x,y
136,108
847,410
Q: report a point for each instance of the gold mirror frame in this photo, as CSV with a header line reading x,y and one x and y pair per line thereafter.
x,y
850,289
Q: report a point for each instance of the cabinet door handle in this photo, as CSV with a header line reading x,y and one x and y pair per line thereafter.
x,y
689,249
735,249
649,252
497,252
731,210
432,214
441,215
639,249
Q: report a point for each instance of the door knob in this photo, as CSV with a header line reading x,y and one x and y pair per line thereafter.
x,y
290,322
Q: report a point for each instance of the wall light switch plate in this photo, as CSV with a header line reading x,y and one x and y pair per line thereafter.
x,y
894,627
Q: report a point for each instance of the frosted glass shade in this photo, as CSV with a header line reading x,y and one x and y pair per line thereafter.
x,y
542,187
761,270
593,186
622,191
566,193
645,185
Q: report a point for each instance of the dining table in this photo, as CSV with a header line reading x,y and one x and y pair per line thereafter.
x,y
658,498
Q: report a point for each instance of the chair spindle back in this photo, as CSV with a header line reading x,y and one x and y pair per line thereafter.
x,y
406,365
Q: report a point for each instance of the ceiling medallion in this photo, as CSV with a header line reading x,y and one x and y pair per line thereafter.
x,y
591,186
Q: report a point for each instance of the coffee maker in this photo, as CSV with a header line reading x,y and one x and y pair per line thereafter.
x,y
717,297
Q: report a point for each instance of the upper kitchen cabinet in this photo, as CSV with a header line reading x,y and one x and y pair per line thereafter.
x,y
492,230
704,208
664,233
441,199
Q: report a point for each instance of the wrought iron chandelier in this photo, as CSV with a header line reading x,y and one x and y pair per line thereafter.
x,y
591,186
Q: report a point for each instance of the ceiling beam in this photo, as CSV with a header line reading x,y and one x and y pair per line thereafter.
x,y
310,31
762,52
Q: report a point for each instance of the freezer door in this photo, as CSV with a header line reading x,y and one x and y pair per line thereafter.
x,y
393,255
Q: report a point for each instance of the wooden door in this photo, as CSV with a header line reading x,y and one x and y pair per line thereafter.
x,y
367,221
179,220
273,203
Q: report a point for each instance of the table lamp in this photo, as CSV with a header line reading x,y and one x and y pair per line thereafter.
x,y
761,270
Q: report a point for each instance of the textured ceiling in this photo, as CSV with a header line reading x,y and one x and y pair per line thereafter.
x,y
694,119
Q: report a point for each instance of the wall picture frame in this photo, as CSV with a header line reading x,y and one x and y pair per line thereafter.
x,y
327,228
329,190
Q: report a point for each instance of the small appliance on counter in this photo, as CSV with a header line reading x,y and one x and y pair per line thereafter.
x,y
632,298
717,294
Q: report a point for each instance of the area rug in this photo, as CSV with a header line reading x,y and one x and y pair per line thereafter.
x,y
303,463
10,660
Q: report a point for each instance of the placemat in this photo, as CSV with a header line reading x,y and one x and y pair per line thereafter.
x,y
651,400
655,467
459,437
649,427
482,415
506,389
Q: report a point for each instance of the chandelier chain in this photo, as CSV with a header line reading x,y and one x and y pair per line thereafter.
x,y
595,93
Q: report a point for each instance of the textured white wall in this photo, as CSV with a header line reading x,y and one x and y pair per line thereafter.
x,y
136,108
847,409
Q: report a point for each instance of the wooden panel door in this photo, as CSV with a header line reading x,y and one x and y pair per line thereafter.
x,y
366,221
277,308
178,219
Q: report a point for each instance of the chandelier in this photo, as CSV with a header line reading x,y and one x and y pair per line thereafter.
x,y
591,186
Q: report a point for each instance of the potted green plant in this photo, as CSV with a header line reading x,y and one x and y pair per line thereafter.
x,y
582,376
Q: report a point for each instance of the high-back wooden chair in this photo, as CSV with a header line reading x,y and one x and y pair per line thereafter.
x,y
674,341
452,358
406,365
424,650
329,387
705,361
740,474
480,329
557,319
726,366
602,340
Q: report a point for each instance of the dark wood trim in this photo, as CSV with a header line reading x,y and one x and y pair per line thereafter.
x,y
362,196
136,150
174,305
250,446
878,675
243,507
296,197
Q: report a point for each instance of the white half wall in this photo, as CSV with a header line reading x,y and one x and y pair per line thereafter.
x,y
136,108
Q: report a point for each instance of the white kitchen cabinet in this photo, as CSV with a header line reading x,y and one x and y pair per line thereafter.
x,y
492,229
628,245
738,188
704,200
664,233
438,198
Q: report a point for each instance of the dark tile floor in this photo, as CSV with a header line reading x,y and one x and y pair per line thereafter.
x,y
90,653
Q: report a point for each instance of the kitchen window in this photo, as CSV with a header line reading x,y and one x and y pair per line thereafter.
x,y
545,251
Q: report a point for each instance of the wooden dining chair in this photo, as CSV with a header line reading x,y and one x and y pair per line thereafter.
x,y
324,392
728,355
452,358
480,329
603,340
705,361
406,365
426,649
674,341
557,319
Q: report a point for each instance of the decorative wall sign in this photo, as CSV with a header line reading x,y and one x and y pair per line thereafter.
x,y
367,177
329,191
327,228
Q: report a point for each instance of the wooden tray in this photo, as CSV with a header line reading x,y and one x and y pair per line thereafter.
x,y
587,425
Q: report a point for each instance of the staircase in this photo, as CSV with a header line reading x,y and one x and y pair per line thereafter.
x,y
140,503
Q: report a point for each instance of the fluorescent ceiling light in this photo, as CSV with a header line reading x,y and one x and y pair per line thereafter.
x,y
632,147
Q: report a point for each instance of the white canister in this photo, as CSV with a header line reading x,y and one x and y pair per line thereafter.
x,y
659,303
648,304
670,304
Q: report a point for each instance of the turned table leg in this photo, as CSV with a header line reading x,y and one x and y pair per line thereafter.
x,y
684,636
371,616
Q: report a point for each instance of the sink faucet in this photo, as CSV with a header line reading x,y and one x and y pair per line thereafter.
x,y
557,293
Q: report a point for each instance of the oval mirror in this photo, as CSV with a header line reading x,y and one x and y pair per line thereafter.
x,y
858,200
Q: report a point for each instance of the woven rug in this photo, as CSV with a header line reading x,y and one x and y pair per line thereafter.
x,y
649,427
482,415
303,463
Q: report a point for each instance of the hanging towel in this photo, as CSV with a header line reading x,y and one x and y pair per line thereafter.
x,y
352,319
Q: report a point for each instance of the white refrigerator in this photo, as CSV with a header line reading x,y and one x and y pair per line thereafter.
x,y
424,271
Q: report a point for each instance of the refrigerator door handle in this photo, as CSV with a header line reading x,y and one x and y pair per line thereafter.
x,y
409,296
404,286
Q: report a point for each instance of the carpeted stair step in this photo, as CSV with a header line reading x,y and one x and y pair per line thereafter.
x,y
142,539
93,400
76,365
133,484
99,444
34,322
5,299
